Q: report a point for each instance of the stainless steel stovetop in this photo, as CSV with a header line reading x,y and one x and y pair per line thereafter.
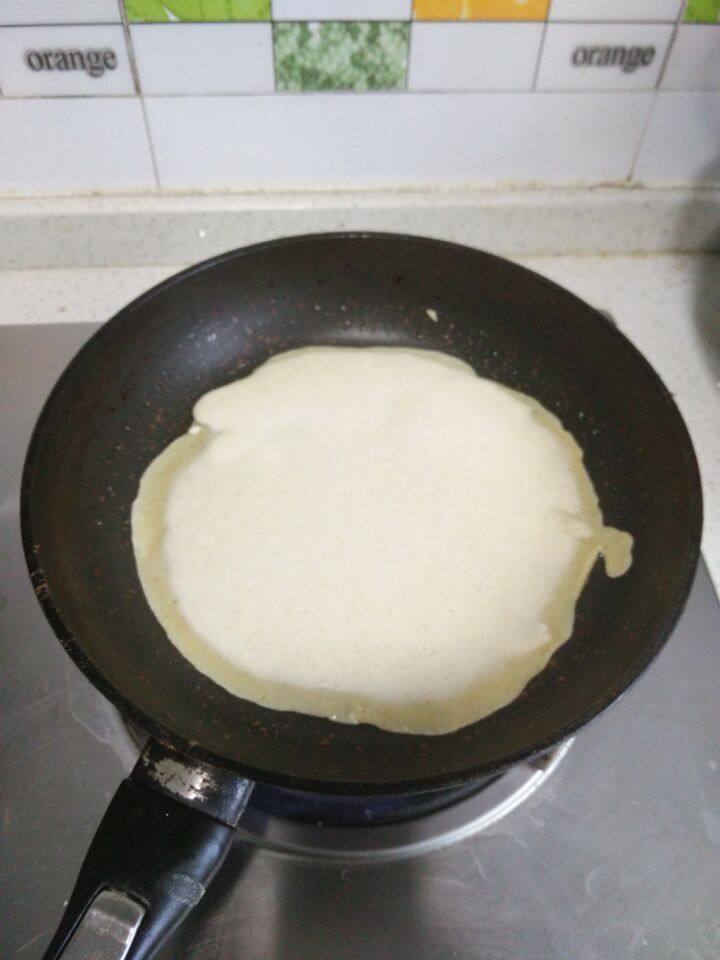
x,y
610,850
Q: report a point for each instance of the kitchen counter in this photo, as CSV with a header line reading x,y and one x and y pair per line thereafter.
x,y
668,305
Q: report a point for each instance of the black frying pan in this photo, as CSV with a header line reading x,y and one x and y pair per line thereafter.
x,y
131,390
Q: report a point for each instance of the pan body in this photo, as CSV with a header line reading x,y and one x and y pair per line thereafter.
x,y
131,390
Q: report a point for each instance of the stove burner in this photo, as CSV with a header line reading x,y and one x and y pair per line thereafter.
x,y
324,809
337,827
460,816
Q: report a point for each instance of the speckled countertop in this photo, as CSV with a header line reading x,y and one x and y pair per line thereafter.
x,y
669,305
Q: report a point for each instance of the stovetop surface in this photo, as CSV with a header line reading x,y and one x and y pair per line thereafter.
x,y
615,855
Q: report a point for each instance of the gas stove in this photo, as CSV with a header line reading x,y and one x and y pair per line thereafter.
x,y
608,847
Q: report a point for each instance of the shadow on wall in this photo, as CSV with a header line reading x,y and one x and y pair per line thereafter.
x,y
706,273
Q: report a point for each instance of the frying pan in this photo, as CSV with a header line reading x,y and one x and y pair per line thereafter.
x,y
131,390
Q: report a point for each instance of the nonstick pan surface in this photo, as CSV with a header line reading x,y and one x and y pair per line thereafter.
x,y
131,390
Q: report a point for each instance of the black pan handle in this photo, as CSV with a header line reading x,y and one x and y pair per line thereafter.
x,y
164,836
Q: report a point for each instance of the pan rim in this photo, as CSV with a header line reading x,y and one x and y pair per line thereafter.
x,y
164,734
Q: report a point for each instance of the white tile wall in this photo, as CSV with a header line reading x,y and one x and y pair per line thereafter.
x,y
486,102
341,9
59,11
77,144
392,139
103,50
200,58
568,48
474,56
613,10
682,141
694,62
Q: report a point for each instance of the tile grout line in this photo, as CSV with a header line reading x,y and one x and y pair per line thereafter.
x,y
409,51
369,94
536,73
128,44
639,21
272,48
676,27
641,139
151,145
138,89
656,94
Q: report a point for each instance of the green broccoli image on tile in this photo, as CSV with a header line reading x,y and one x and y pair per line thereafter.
x,y
702,11
340,55
165,11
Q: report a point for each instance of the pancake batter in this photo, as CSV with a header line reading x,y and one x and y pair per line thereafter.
x,y
372,535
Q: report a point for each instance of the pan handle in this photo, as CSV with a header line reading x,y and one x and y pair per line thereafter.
x,y
164,836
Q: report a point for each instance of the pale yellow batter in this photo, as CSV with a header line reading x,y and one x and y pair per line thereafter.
x,y
370,534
